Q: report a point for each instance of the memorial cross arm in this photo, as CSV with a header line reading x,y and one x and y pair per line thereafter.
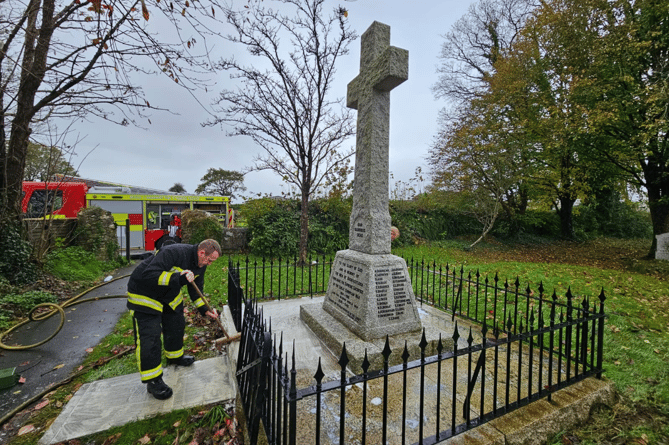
x,y
387,71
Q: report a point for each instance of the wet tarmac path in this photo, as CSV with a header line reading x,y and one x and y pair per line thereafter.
x,y
85,325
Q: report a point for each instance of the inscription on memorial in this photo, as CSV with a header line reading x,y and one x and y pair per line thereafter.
x,y
359,229
347,288
391,294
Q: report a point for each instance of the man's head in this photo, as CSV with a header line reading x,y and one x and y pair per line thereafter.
x,y
208,251
394,233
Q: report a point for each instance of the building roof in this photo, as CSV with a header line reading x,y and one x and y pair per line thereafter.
x,y
95,183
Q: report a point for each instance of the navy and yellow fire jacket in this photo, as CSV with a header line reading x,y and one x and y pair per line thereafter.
x,y
157,281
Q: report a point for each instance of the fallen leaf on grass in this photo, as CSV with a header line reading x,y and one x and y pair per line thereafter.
x,y
89,350
657,351
617,363
177,423
220,433
112,439
25,430
41,404
144,440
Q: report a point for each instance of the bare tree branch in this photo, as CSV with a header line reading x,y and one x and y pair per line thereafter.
x,y
283,103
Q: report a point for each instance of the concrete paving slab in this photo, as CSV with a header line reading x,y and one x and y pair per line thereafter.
x,y
103,404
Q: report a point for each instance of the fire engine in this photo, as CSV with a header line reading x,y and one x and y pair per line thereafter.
x,y
149,215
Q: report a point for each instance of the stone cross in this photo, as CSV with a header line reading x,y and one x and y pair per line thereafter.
x,y
382,68
369,292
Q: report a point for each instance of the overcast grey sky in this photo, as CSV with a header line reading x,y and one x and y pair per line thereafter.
x,y
176,148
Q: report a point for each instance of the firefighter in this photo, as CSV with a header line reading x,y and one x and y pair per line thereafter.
x,y
156,303
174,229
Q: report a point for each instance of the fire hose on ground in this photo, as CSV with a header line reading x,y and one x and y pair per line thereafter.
x,y
60,309
57,309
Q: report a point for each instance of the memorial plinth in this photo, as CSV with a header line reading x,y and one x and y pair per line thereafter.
x,y
372,295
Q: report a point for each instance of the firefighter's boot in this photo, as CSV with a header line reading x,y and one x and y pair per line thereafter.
x,y
159,389
184,360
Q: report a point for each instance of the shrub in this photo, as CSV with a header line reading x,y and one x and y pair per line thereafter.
x,y
274,225
328,224
275,232
198,225
430,220
613,218
325,238
16,264
96,232
533,223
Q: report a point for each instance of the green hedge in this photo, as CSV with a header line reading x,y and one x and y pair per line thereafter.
x,y
274,225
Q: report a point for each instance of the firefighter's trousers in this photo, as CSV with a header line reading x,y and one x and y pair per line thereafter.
x,y
148,327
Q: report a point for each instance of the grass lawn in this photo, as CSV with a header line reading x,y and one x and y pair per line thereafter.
x,y
636,341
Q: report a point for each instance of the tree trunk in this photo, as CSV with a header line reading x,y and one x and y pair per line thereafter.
x,y
304,227
566,217
33,68
515,205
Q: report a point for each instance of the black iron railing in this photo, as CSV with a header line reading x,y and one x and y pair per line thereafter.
x,y
283,277
530,347
235,295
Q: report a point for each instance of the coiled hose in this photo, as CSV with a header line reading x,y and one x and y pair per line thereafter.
x,y
57,309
